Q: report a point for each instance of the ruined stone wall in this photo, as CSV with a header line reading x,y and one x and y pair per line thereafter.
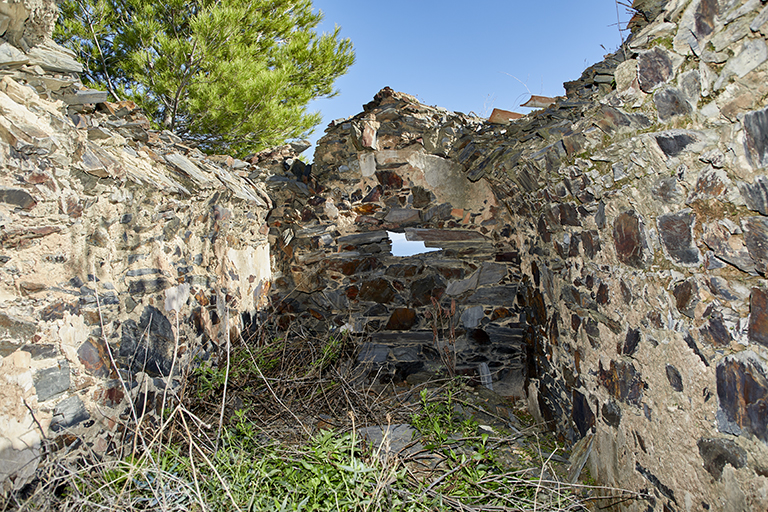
x,y
397,168
640,202
125,255
605,256
637,205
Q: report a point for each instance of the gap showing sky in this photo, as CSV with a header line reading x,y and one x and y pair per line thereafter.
x,y
468,57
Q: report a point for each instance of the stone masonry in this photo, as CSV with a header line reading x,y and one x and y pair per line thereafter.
x,y
604,257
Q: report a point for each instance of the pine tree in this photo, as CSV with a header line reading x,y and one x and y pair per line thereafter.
x,y
233,75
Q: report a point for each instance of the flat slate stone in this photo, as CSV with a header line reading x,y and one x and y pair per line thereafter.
x,y
456,288
471,317
148,344
373,353
496,296
756,131
742,390
672,143
622,381
717,452
728,248
16,328
52,381
670,102
69,413
654,68
756,240
628,239
753,53
17,197
756,194
402,215
686,297
676,232
11,56
402,319
377,290
758,316
427,288
667,191
372,237
674,378
85,97
442,235
402,337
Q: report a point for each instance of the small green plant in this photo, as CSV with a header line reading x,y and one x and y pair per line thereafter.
x,y
438,421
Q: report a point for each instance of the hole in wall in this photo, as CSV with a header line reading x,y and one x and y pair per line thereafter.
x,y
401,246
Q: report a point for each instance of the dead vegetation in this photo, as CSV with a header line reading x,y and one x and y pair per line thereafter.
x,y
302,427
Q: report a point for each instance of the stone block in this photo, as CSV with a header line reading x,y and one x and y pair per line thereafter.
x,y
51,382
402,319
756,138
758,316
654,68
629,239
717,452
377,290
742,388
756,194
471,317
69,413
756,240
676,233
670,102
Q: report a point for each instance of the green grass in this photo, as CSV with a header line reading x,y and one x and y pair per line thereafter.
x,y
272,456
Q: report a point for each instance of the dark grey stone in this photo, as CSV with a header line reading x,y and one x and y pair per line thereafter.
x,y
148,345
145,286
69,413
611,413
673,143
756,195
491,273
17,197
756,240
41,351
471,317
582,414
52,381
674,378
631,342
670,102
373,353
372,237
497,296
654,67
600,215
756,140
717,452
676,231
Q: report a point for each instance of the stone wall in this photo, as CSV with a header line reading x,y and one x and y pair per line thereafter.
x,y
641,205
605,257
126,255
637,207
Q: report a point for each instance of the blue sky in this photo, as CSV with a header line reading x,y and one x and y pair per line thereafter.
x,y
465,56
